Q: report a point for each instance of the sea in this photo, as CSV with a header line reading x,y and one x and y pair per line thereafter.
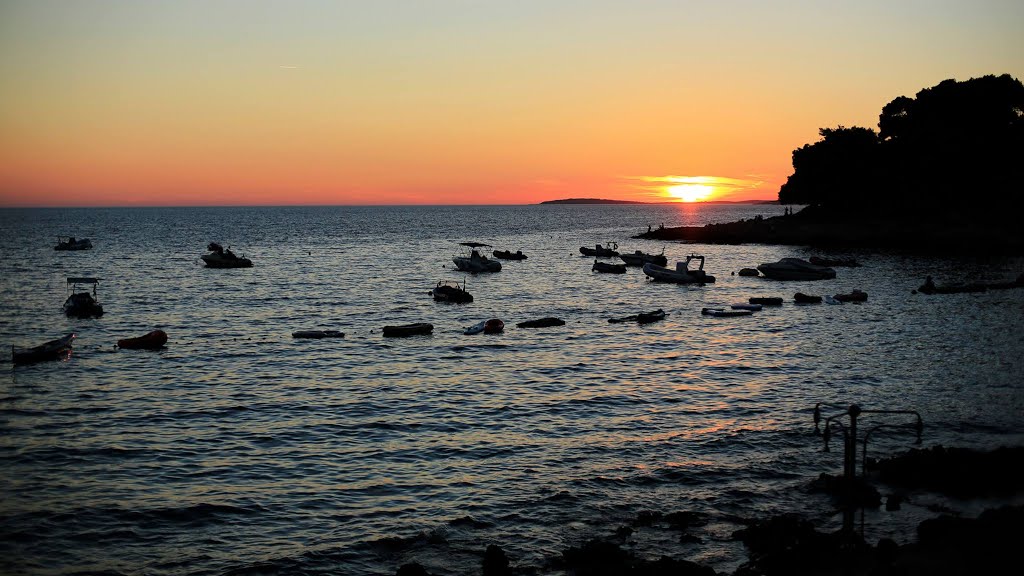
x,y
237,449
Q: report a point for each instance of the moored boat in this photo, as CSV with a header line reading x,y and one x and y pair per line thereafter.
x,y
795,269
318,334
451,291
608,268
542,323
52,350
682,274
72,243
473,260
751,307
801,298
220,257
151,341
648,317
766,300
80,303
855,296
608,251
416,329
509,255
638,258
723,313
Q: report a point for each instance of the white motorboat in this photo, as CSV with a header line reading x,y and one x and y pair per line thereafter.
x,y
474,261
682,274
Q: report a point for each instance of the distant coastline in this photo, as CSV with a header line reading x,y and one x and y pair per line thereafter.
x,y
603,201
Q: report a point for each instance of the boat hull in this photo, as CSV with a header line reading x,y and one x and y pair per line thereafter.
x,y
795,269
662,274
52,350
152,341
216,261
403,330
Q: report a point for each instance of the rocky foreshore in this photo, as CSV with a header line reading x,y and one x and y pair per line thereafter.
x,y
813,227
789,545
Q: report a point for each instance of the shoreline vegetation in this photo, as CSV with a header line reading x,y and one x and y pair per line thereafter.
x,y
946,544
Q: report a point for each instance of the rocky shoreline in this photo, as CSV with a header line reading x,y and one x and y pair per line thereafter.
x,y
815,227
787,544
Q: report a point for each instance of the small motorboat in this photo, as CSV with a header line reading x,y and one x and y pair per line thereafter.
x,y
416,329
508,255
795,269
801,298
542,323
766,300
80,303
152,341
638,258
608,268
451,291
608,251
682,274
72,243
220,257
318,334
751,307
52,350
642,318
473,261
723,313
830,262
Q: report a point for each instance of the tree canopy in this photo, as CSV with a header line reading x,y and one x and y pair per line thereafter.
x,y
955,147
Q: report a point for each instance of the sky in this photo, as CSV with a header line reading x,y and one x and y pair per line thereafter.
x,y
230,102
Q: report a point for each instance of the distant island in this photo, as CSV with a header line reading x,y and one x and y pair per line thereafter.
x,y
603,201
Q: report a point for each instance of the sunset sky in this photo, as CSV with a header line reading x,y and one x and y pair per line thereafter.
x,y
456,102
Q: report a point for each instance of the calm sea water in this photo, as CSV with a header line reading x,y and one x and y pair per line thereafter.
x,y
238,449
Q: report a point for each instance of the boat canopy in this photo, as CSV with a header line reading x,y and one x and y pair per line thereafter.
x,y
475,244
76,280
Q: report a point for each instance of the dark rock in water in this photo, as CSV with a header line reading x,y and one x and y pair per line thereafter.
x,y
599,558
958,472
749,272
412,569
787,545
495,562
542,323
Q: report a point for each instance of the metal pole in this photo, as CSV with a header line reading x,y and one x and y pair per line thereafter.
x,y
850,469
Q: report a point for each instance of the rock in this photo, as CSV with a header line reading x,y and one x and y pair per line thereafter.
x,y
412,569
495,562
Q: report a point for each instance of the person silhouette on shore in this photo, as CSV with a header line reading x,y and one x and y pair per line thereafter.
x,y
648,228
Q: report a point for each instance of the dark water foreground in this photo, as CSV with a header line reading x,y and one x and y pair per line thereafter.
x,y
237,449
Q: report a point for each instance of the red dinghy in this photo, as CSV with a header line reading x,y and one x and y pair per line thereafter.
x,y
493,326
152,341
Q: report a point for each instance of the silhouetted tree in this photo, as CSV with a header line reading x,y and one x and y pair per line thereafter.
x,y
955,149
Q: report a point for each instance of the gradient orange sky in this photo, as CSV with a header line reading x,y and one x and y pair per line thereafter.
x,y
455,102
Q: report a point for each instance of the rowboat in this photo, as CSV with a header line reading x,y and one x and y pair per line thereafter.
x,y
766,300
542,323
509,255
795,269
723,313
408,330
318,334
608,268
152,341
52,350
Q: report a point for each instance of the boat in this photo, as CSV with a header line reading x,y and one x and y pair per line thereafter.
x,y
80,303
152,341
52,350
837,261
608,251
408,330
318,334
642,318
766,300
508,255
723,313
751,307
220,257
682,274
831,300
801,298
493,326
71,243
639,258
855,296
473,261
795,269
648,317
749,272
451,291
542,323
608,268
475,328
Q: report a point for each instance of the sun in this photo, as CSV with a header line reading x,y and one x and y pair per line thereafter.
x,y
690,192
